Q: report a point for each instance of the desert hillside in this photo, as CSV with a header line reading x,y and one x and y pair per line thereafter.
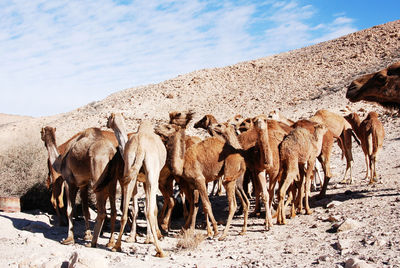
x,y
298,83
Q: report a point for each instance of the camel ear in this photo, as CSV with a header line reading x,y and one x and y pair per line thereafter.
x,y
394,69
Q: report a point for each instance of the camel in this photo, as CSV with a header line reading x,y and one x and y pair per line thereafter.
x,y
371,134
89,157
382,87
259,140
143,149
298,149
342,132
201,163
277,116
54,179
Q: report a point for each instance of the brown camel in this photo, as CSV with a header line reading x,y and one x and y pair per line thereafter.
x,y
371,134
259,141
54,179
201,163
382,87
89,157
143,149
342,132
298,149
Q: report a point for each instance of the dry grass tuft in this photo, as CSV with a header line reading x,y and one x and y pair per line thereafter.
x,y
189,240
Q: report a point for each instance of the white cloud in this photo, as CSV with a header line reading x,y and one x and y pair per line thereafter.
x,y
58,55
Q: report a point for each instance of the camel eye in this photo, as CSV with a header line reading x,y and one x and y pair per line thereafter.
x,y
380,78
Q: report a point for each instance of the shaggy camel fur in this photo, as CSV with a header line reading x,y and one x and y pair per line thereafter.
x,y
342,132
142,150
89,158
382,87
201,163
260,149
298,149
371,134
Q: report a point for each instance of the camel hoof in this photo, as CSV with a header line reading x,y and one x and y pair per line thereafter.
x,y
242,233
222,238
161,254
68,241
110,245
90,245
88,236
309,212
116,249
130,239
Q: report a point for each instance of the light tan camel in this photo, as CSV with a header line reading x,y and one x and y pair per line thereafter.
x,y
201,163
298,149
371,134
116,122
143,150
88,158
342,132
278,116
259,143
382,87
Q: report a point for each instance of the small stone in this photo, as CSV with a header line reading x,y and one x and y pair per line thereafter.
x,y
323,258
347,225
332,219
333,204
344,244
356,263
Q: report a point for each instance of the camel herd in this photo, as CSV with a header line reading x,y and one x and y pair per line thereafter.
x,y
266,151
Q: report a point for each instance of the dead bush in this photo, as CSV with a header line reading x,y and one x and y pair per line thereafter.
x,y
189,240
23,170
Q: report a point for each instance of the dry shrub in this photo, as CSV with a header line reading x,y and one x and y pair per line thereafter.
x,y
189,240
23,170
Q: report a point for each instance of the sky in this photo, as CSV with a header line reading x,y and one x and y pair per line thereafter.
x,y
56,56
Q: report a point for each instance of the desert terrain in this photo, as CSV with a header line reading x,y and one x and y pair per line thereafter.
x,y
298,83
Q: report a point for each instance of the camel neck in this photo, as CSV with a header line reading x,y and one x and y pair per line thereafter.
x,y
177,148
122,137
52,152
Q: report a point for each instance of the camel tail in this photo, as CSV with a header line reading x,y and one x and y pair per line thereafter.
x,y
114,170
355,137
137,163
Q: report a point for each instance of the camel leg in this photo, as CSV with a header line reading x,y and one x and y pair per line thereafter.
x,y
189,195
101,198
84,194
127,190
241,193
113,206
301,189
70,191
310,168
265,198
291,174
201,187
219,193
325,158
194,208
346,137
230,192
151,187
367,164
258,194
167,191
135,211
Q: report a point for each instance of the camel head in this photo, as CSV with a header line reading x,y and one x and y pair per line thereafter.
x,y
206,121
261,126
48,135
382,87
166,131
225,132
115,120
180,118
353,118
246,124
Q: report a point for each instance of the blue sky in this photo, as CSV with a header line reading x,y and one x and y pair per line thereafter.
x,y
59,55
